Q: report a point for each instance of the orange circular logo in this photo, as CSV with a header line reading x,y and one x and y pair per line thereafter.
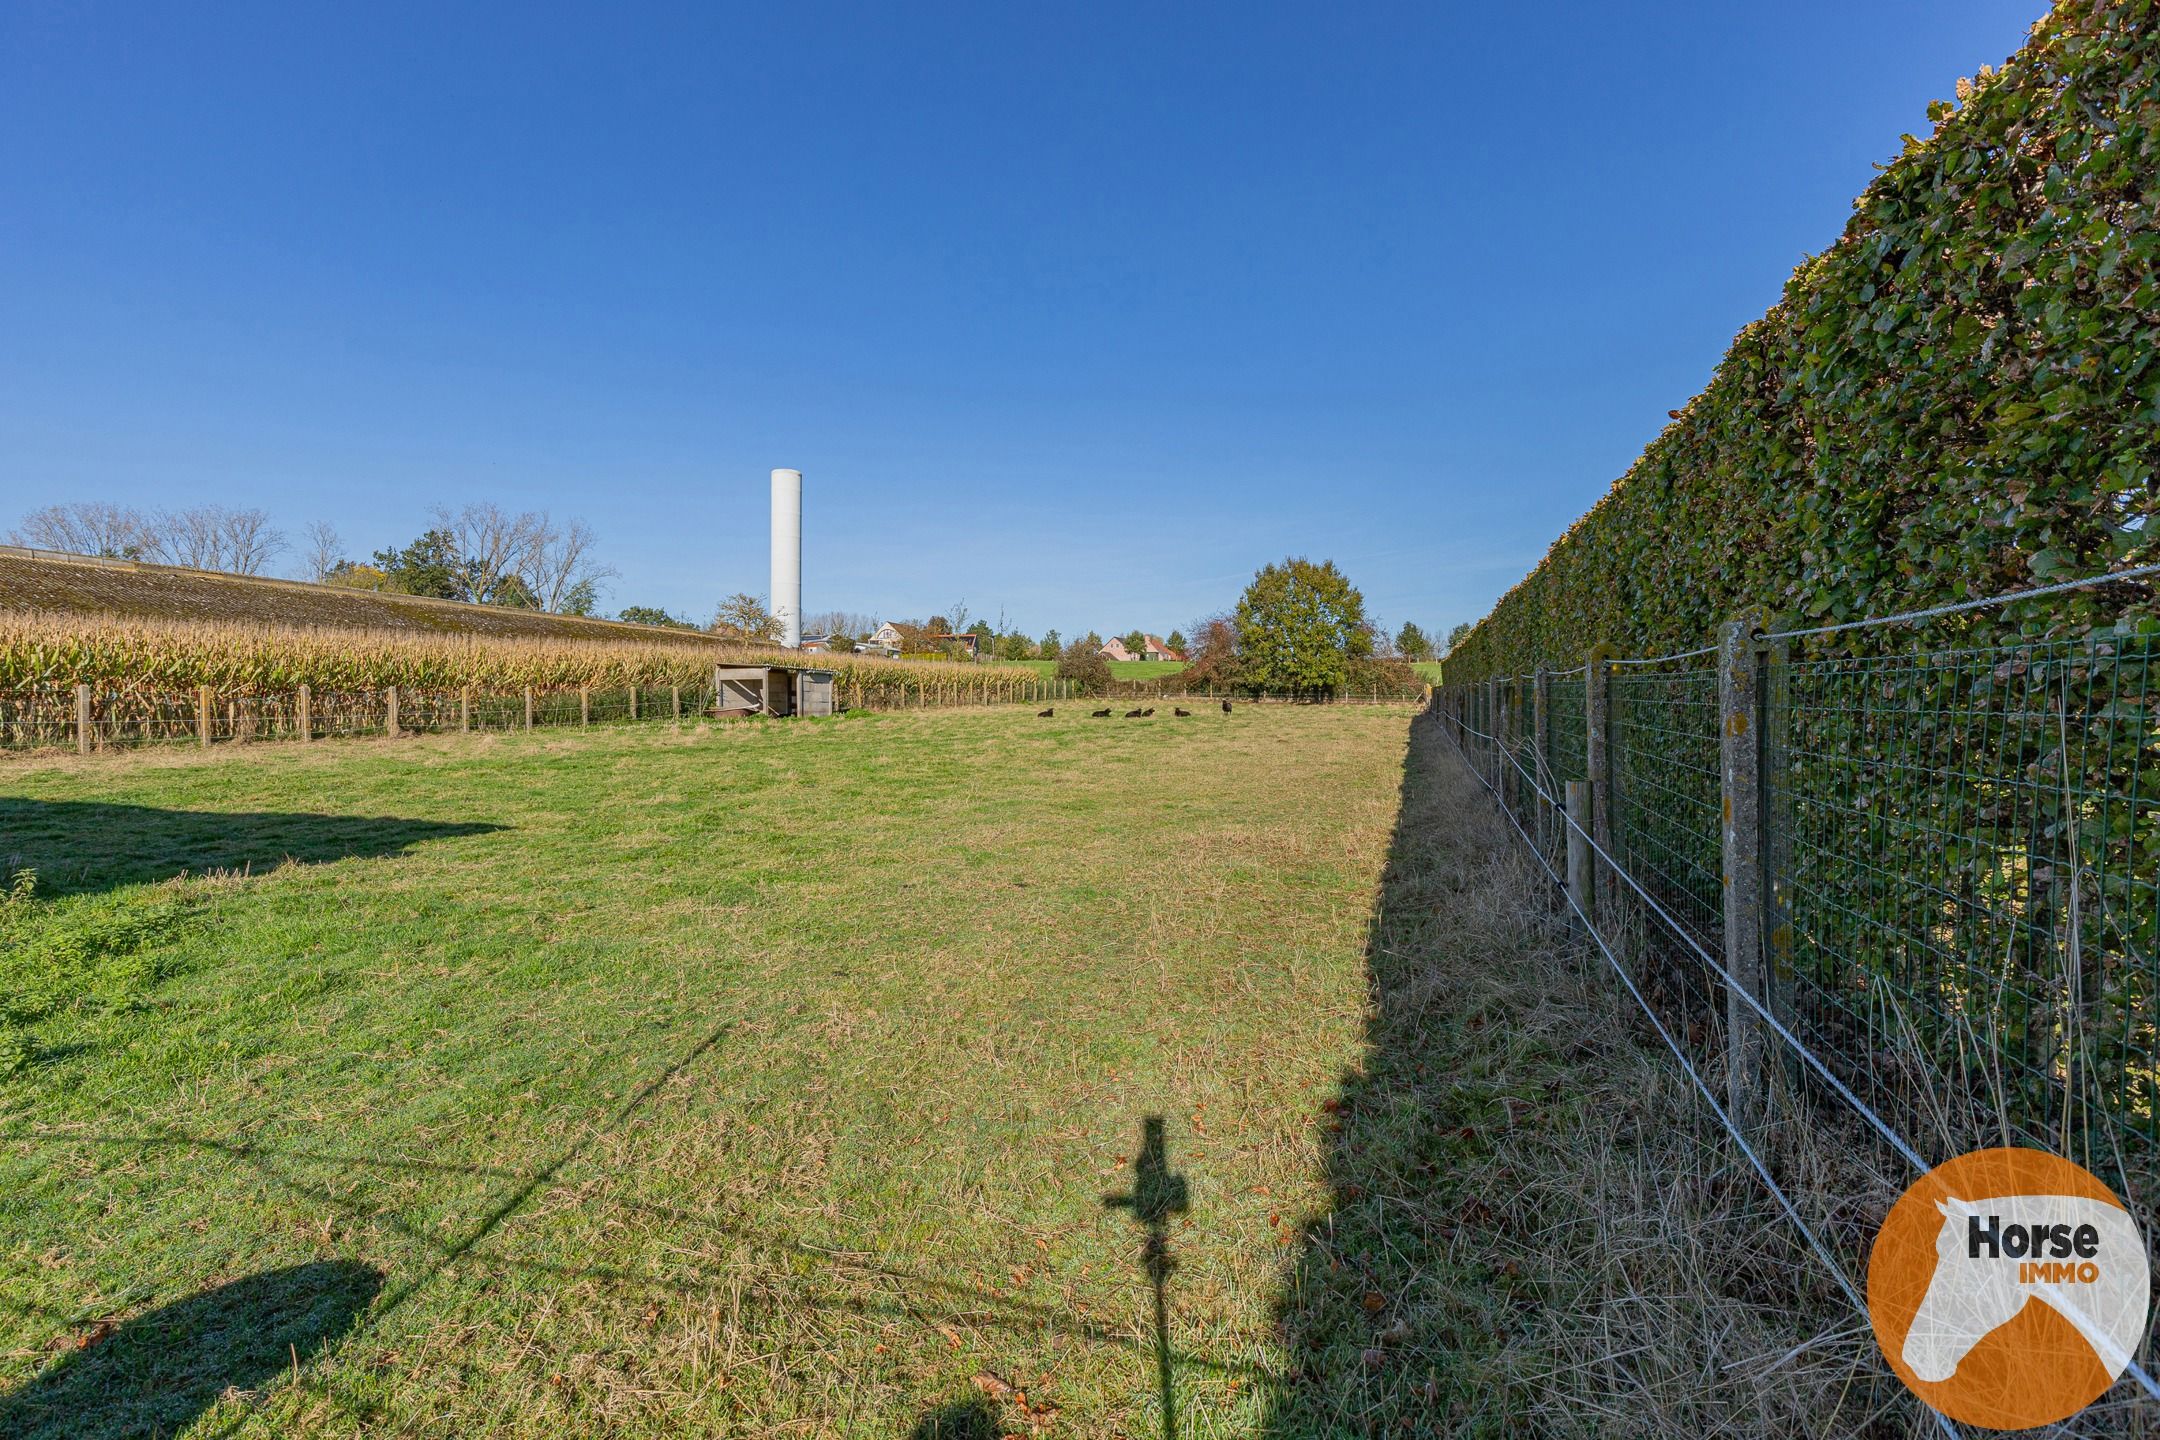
x,y
2008,1288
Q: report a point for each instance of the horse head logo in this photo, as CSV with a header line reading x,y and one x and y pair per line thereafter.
x,y
2080,1256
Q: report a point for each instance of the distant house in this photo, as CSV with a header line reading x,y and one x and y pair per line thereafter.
x,y
1115,650
815,644
967,640
885,640
1156,650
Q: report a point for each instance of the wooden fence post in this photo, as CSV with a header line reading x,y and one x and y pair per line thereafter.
x,y
528,707
306,716
675,700
633,702
584,706
390,726
83,732
1740,771
1597,770
464,711
1541,752
202,714
1578,849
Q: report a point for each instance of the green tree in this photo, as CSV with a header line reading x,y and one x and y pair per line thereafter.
x,y
650,615
1085,667
1410,642
1015,646
355,576
1134,641
744,616
1300,626
514,593
1176,641
580,599
1049,649
1455,636
430,565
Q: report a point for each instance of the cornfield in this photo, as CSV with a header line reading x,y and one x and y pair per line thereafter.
x,y
148,677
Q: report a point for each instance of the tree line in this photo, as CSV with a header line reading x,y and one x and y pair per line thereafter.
x,y
480,553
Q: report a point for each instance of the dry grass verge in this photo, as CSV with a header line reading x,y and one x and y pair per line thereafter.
x,y
1538,1226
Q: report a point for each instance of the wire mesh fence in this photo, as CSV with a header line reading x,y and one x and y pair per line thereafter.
x,y
1961,856
1973,854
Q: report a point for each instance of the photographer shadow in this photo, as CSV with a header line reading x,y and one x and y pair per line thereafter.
x,y
161,1371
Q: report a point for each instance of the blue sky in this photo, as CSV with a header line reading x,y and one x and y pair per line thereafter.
x,y
1077,313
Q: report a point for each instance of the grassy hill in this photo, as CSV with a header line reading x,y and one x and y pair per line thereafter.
x,y
83,585
1119,669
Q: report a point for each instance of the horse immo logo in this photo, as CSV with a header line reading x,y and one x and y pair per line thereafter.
x,y
2008,1288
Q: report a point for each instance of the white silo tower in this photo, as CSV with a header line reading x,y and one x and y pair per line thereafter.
x,y
787,555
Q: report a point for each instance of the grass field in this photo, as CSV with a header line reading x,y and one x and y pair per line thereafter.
x,y
1157,669
1119,669
768,1078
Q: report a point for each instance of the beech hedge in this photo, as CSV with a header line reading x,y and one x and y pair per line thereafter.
x,y
1960,398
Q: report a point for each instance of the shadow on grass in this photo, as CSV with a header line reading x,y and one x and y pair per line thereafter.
x,y
157,1373
1378,1309
82,846
890,1291
961,1420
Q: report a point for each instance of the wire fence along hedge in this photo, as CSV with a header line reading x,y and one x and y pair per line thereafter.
x,y
1961,857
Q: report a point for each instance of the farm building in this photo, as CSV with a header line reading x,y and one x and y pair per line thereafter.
x,y
1155,649
1114,649
741,690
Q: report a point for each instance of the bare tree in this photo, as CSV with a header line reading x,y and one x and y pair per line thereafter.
x,y
325,548
560,560
90,527
850,623
746,617
211,537
494,545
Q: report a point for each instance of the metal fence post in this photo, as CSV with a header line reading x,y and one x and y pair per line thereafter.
x,y
1597,772
1740,771
306,716
83,733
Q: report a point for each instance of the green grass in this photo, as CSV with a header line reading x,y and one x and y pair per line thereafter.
x,y
1119,669
754,1079
1429,669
